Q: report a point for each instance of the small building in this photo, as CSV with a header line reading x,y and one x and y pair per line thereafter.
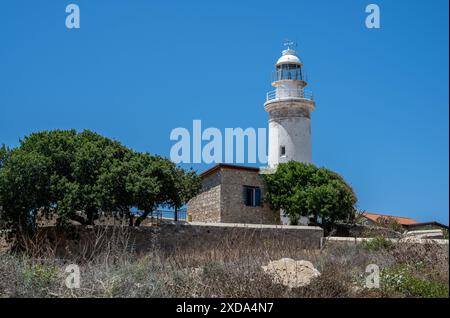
x,y
433,225
232,194
407,223
374,218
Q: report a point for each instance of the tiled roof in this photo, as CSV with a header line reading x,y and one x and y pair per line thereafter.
x,y
400,220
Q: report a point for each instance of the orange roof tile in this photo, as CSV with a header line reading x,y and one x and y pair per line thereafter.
x,y
400,220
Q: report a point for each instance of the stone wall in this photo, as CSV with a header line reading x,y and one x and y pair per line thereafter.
x,y
171,237
233,208
206,206
336,240
201,235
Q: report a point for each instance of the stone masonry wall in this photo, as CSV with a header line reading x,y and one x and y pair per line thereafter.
x,y
232,202
171,237
205,207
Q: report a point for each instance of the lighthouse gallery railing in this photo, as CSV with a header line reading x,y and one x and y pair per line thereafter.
x,y
289,93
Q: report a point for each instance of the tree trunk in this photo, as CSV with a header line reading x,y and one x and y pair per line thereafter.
x,y
141,218
130,219
90,216
315,218
176,215
78,219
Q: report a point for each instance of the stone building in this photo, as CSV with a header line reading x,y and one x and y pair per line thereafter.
x,y
232,194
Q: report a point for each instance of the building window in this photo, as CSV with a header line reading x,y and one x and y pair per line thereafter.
x,y
252,196
283,151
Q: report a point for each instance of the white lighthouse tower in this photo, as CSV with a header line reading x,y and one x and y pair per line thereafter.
x,y
289,107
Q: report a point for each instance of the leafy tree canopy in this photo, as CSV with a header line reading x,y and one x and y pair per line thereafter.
x,y
4,151
305,190
79,176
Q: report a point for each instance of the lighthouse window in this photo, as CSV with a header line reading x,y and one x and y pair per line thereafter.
x,y
289,72
252,196
282,151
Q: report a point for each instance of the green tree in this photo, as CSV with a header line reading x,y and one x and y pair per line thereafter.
x,y
24,189
80,176
305,190
185,186
173,186
150,184
3,154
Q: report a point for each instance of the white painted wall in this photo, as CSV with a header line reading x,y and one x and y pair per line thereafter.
x,y
294,133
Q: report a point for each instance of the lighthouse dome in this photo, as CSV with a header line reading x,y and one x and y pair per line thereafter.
x,y
289,57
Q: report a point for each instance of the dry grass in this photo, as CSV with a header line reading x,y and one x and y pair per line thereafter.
x,y
110,268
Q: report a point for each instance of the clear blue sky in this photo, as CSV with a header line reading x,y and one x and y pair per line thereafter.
x,y
137,69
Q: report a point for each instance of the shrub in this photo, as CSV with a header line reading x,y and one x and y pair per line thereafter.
x,y
39,275
40,279
404,279
377,243
390,224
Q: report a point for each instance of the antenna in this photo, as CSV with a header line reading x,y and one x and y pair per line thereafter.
x,y
289,43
